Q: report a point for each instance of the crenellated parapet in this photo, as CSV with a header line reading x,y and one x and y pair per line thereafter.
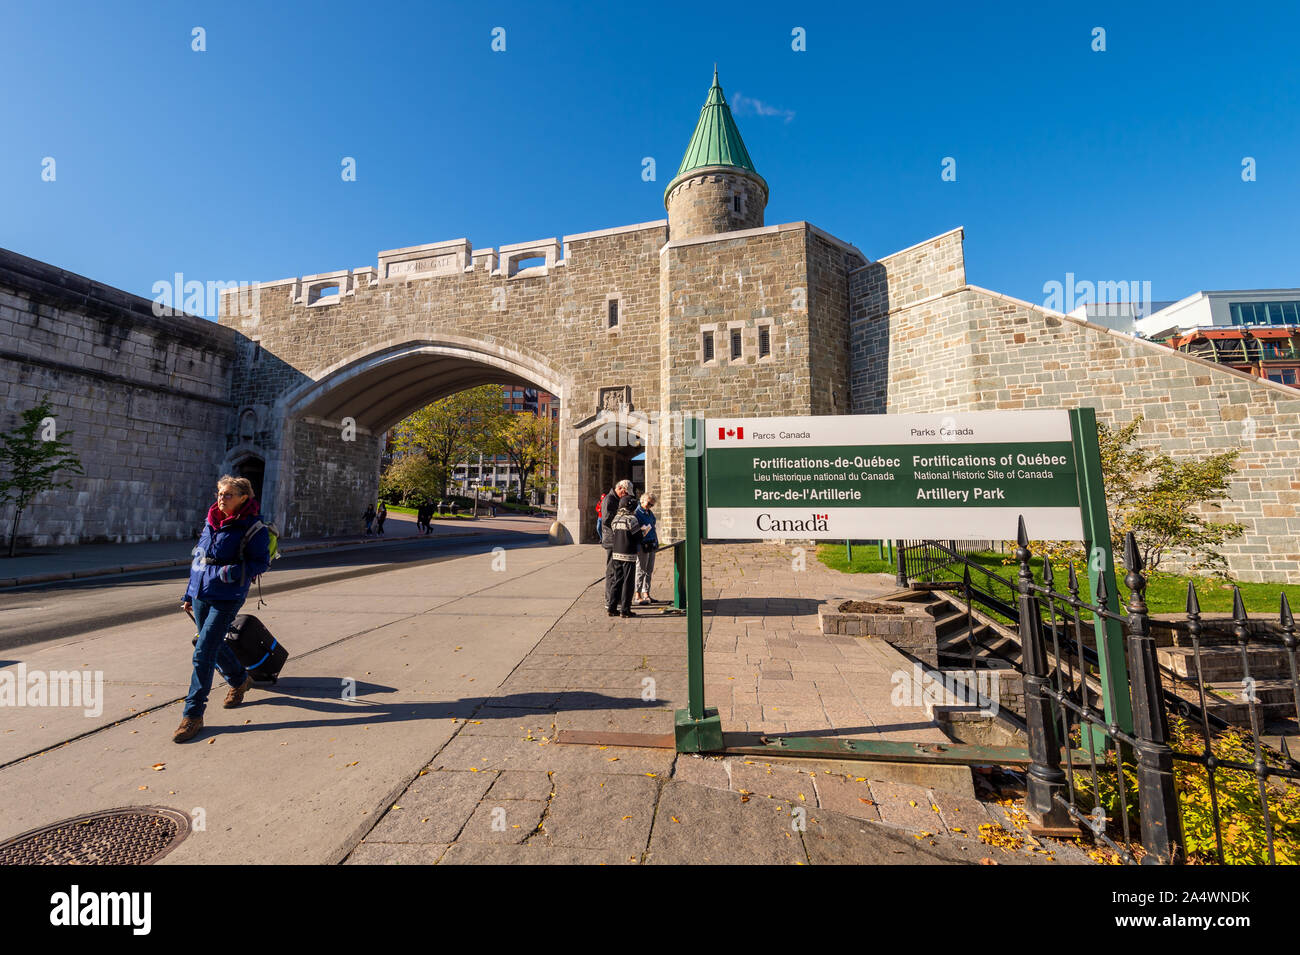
x,y
436,260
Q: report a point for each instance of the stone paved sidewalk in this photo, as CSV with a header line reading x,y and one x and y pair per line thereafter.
x,y
502,790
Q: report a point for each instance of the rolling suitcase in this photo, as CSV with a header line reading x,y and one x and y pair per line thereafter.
x,y
260,653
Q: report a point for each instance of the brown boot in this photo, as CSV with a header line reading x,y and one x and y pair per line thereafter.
x,y
236,694
189,728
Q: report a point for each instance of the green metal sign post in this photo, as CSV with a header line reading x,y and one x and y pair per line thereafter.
x,y
698,729
1101,566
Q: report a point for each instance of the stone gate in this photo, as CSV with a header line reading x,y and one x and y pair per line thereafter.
x,y
707,312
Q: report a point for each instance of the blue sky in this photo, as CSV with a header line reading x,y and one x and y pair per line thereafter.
x,y
225,165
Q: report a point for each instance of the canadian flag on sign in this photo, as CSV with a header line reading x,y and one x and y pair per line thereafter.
x,y
725,433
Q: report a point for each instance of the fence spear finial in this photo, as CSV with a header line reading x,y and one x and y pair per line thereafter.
x,y
1022,536
1132,557
1238,608
1285,615
1193,605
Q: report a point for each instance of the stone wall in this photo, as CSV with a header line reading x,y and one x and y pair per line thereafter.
x,y
952,347
334,481
741,281
829,263
145,397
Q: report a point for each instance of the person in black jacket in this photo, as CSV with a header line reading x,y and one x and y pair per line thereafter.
x,y
627,533
608,509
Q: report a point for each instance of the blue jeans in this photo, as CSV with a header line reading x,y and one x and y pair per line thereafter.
x,y
214,618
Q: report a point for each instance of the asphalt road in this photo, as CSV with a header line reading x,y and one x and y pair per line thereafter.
x,y
38,614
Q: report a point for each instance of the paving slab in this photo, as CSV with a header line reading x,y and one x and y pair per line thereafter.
x,y
467,853
600,811
395,853
434,808
697,825
504,821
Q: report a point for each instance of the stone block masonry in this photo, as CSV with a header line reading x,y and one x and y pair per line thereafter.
x,y
923,340
146,398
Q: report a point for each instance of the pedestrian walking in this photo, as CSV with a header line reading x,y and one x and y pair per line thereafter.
x,y
645,558
423,514
234,548
380,516
627,533
369,517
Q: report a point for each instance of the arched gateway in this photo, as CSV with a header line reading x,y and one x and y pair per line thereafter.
x,y
706,312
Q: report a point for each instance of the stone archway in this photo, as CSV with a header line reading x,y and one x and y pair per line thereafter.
x,y
330,428
605,445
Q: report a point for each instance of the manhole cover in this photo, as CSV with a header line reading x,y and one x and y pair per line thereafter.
x,y
136,835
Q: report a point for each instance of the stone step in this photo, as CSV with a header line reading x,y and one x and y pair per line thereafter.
x,y
1224,663
1275,697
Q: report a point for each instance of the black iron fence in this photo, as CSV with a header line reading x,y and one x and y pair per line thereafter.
x,y
1183,782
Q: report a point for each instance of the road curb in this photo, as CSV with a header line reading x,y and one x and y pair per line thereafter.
x,y
81,574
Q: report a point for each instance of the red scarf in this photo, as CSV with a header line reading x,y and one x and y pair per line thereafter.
x,y
217,518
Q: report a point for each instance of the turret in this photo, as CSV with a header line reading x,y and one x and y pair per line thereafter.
x,y
716,188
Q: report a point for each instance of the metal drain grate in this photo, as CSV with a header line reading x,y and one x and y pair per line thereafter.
x,y
136,835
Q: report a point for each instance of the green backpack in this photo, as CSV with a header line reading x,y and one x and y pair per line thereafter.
x,y
273,545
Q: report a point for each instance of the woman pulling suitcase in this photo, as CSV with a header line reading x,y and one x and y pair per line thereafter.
x,y
219,582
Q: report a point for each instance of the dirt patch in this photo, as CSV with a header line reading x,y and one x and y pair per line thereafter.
x,y
867,606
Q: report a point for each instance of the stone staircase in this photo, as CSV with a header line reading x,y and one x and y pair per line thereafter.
x,y
953,629
1223,671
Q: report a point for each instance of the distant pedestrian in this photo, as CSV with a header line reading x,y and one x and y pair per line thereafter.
x,y
627,534
422,514
226,560
645,558
380,516
600,521
369,518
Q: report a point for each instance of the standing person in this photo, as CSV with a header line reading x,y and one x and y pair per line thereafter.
x,y
369,517
645,558
219,583
609,508
628,534
380,516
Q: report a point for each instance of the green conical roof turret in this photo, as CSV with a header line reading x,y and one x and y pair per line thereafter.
x,y
716,141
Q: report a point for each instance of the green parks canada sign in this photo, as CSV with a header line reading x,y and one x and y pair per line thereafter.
x,y
965,475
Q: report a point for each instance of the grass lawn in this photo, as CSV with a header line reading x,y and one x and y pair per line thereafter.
x,y
399,509
1165,593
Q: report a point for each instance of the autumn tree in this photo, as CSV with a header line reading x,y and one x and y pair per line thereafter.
x,y
411,476
452,429
1166,502
528,441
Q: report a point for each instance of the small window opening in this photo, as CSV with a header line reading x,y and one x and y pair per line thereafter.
x,y
708,346
735,343
764,342
613,312
323,292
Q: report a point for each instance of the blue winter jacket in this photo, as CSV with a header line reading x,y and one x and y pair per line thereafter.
x,y
648,517
226,578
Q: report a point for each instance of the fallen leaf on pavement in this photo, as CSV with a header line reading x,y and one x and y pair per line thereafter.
x,y
158,766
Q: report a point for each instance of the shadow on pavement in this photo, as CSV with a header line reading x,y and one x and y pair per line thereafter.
x,y
349,713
